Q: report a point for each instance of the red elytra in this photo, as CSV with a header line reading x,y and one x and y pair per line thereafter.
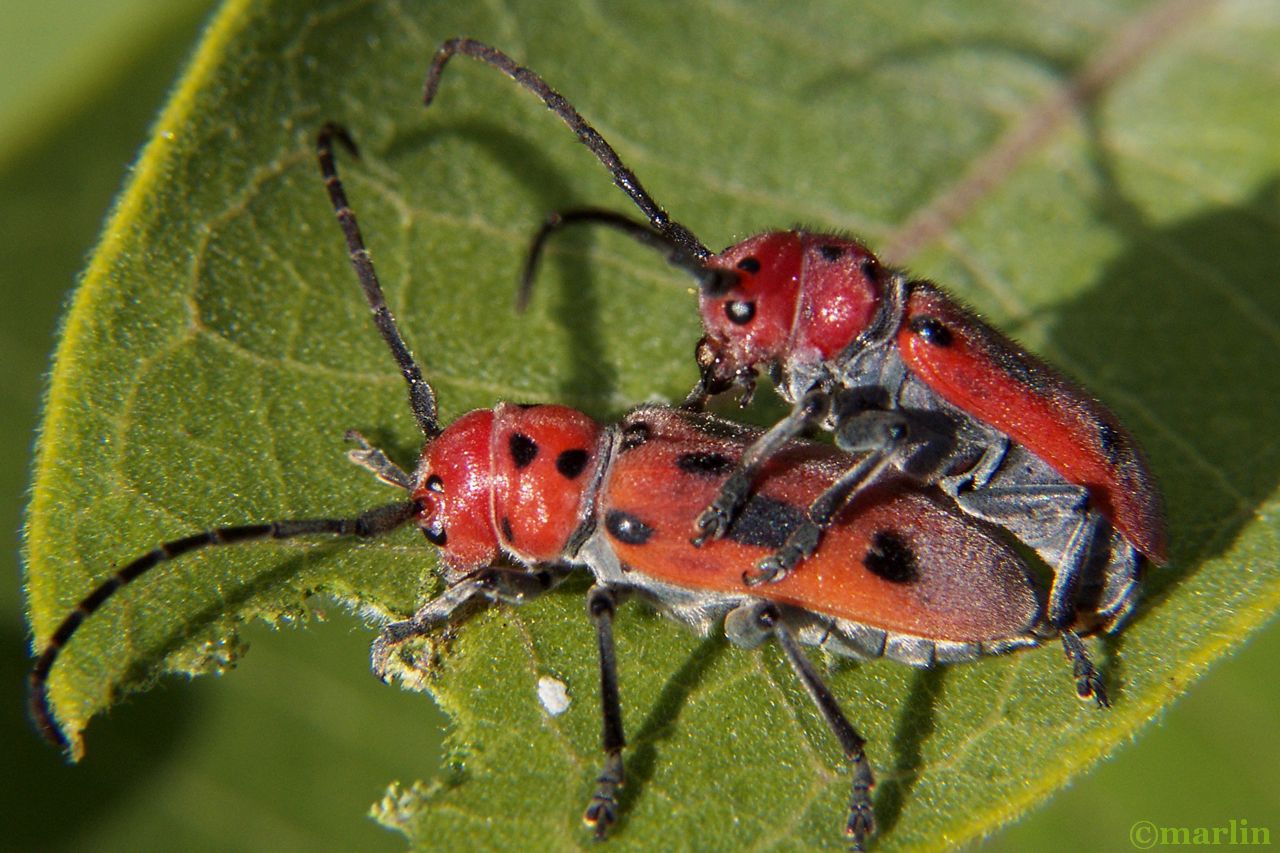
x,y
981,372
902,573
905,378
896,558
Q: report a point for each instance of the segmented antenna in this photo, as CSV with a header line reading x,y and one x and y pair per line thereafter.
x,y
587,135
372,523
422,399
709,278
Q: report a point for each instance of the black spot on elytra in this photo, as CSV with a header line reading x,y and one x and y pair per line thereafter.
x,y
571,463
932,330
635,434
765,523
627,528
749,264
507,532
830,253
704,464
437,537
890,557
523,449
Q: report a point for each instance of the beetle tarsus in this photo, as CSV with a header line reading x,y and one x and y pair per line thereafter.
x,y
800,545
1089,683
711,525
715,520
862,820
602,811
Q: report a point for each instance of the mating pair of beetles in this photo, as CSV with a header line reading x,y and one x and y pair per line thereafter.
x,y
951,443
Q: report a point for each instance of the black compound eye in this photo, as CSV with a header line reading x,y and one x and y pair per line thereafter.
x,y
739,313
429,509
749,265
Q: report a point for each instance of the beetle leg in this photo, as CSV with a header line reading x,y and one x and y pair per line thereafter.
x,y
602,811
374,460
1095,571
861,821
696,399
1017,491
509,586
1028,512
1089,683
716,519
884,434
743,626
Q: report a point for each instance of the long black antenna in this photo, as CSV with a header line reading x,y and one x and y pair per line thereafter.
x,y
709,278
587,135
422,399
371,523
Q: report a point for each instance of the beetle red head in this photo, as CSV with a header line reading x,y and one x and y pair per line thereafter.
x,y
748,322
453,490
793,295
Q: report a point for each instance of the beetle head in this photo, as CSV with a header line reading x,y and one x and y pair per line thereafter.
x,y
748,314
452,487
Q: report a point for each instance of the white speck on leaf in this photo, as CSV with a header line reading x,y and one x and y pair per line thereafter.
x,y
553,695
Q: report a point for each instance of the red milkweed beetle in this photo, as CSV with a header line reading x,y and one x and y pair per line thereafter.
x,y
903,376
901,573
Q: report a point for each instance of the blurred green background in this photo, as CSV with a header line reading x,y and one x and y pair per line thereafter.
x,y
289,750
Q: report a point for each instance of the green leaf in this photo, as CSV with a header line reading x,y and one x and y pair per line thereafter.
x,y
218,348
